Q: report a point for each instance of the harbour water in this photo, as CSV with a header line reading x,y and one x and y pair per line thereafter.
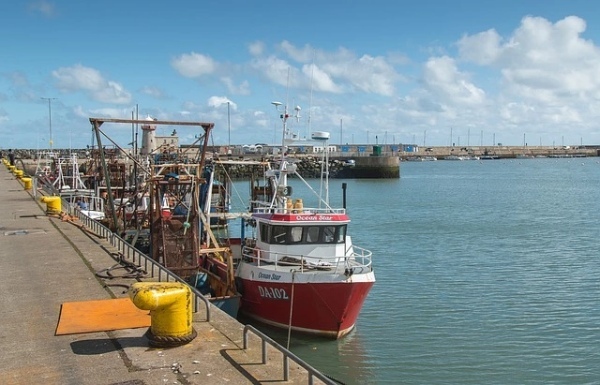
x,y
487,273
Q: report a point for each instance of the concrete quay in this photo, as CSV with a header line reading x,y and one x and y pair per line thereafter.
x,y
45,262
503,152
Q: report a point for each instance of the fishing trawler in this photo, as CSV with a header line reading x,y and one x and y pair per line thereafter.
x,y
169,211
299,269
65,179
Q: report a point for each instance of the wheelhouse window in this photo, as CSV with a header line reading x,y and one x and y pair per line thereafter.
x,y
328,234
296,234
312,234
278,235
340,234
265,234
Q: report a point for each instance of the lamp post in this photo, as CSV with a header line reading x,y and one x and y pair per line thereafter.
x,y
228,128
50,117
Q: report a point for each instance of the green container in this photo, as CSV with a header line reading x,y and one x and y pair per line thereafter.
x,y
376,150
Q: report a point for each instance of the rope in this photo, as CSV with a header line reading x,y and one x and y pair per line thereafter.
x,y
168,341
291,311
186,224
132,271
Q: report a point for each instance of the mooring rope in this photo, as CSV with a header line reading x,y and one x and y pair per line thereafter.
x,y
291,311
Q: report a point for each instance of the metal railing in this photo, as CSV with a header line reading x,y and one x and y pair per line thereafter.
x,y
355,260
299,210
129,253
287,355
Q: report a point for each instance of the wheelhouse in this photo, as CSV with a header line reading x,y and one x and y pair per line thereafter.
x,y
295,234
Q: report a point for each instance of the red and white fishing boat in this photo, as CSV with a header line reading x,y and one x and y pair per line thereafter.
x,y
299,268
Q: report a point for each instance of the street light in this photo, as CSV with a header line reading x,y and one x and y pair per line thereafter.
x,y
50,117
228,128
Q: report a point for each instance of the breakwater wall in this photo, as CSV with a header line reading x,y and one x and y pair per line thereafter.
x,y
371,167
503,152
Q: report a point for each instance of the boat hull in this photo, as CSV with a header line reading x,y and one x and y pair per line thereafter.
x,y
229,304
321,304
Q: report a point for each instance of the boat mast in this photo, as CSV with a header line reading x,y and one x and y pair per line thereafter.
x,y
281,179
323,136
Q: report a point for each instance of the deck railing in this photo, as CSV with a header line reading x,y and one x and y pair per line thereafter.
x,y
299,211
359,258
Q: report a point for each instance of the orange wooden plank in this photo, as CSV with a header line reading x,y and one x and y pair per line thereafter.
x,y
101,315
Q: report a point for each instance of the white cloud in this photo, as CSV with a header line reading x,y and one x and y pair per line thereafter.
x,y
334,72
321,81
370,74
374,75
237,89
257,48
277,70
541,61
18,79
194,65
43,7
302,55
114,113
444,81
155,92
90,81
482,48
218,101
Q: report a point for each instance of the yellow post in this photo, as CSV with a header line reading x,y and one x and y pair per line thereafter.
x,y
170,305
11,168
26,182
53,204
18,173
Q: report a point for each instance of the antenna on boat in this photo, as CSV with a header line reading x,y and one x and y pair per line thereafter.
x,y
323,136
312,76
283,117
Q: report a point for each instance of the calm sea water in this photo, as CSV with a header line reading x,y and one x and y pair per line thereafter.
x,y
488,272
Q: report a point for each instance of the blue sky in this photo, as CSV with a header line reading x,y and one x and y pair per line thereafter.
x,y
427,72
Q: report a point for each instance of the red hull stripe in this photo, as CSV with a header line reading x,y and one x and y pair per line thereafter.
x,y
322,308
304,217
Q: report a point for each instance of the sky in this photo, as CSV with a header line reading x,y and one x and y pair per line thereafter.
x,y
428,72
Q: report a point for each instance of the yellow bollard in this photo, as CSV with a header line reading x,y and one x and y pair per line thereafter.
x,y
19,173
53,204
27,184
170,305
11,168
